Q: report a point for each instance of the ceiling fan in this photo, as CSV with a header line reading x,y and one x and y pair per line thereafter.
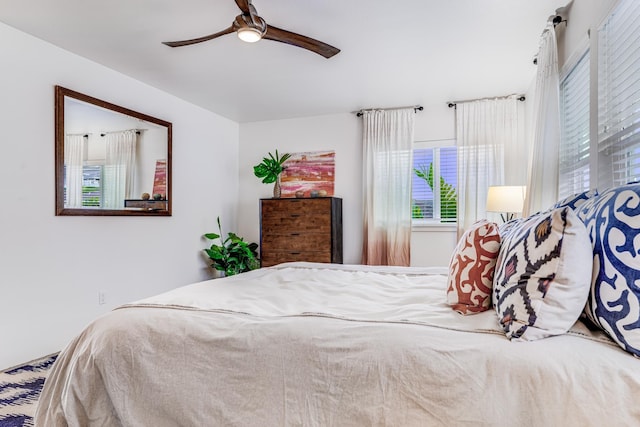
x,y
250,28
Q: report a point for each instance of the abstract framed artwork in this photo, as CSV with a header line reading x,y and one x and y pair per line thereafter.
x,y
160,178
309,171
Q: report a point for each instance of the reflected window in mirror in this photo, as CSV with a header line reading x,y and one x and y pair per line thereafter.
x,y
110,160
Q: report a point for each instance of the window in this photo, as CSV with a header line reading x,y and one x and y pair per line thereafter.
x,y
434,185
618,142
574,123
91,186
616,147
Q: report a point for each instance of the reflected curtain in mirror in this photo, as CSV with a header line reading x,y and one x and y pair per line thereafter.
x,y
119,168
74,149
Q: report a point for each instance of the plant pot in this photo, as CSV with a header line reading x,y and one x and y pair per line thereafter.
x,y
277,191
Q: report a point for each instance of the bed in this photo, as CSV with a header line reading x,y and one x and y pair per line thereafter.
x,y
330,345
340,345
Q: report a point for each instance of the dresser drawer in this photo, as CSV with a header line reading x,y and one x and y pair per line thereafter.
x,y
319,223
276,257
295,241
275,207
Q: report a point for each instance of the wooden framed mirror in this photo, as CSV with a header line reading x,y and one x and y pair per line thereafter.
x,y
110,160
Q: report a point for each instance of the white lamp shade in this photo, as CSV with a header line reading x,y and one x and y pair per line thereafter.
x,y
249,35
505,198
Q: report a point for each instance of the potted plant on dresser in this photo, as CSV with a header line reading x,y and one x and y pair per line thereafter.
x,y
270,169
233,255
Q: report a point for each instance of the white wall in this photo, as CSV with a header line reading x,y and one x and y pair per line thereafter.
x,y
342,133
51,268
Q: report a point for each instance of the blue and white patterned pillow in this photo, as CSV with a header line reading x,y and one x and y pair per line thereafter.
x,y
541,283
575,201
613,222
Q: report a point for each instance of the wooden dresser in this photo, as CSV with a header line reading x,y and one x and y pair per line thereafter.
x,y
150,205
308,229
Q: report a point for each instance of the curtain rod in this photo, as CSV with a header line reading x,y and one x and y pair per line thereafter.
x,y
138,131
452,104
416,108
556,20
84,135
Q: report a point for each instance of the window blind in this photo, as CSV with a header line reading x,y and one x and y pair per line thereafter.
x,y
422,193
449,184
574,124
619,93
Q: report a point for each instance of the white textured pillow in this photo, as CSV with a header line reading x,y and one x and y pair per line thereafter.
x,y
543,275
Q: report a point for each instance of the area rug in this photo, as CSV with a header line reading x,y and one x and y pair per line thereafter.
x,y
20,389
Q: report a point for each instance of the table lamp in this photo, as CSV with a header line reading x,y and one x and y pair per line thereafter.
x,y
506,199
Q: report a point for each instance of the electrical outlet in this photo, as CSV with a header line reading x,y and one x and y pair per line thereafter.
x,y
101,297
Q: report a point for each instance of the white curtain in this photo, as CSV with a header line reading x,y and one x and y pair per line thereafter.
x,y
119,169
74,149
387,174
542,185
491,151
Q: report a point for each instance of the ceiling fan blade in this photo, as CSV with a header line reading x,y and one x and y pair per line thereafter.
x,y
245,6
200,39
298,40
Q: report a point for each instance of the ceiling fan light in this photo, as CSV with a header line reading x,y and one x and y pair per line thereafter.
x,y
249,35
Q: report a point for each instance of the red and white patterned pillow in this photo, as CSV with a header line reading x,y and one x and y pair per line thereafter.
x,y
471,268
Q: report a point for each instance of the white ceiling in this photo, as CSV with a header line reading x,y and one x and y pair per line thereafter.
x,y
394,53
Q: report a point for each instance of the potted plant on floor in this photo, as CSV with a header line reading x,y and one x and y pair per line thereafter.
x,y
233,255
270,169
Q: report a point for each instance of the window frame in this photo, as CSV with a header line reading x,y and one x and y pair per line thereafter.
x,y
434,224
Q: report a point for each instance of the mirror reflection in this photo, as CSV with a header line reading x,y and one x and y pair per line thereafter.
x,y
110,160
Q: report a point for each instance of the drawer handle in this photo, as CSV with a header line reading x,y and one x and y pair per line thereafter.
x,y
294,253
295,234
295,215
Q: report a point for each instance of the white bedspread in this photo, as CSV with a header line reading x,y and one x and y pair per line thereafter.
x,y
330,345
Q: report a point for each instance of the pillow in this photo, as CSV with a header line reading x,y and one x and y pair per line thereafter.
x,y
541,283
576,200
505,228
613,222
471,268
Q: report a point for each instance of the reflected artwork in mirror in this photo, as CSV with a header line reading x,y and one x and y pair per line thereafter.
x,y
110,160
